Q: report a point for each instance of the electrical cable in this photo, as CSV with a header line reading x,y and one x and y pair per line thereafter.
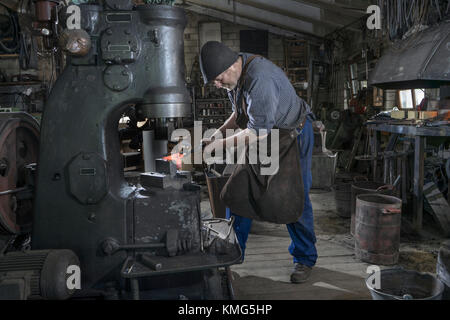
x,y
52,72
436,2
24,53
15,30
390,19
399,15
426,10
16,99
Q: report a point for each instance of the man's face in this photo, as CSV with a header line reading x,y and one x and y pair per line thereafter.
x,y
229,78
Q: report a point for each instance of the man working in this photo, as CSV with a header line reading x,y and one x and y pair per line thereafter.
x,y
270,102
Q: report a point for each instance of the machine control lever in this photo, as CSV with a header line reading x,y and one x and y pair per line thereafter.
x,y
172,244
149,262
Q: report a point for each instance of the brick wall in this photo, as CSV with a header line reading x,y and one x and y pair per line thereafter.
x,y
230,36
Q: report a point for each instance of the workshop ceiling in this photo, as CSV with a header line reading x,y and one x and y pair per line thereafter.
x,y
284,17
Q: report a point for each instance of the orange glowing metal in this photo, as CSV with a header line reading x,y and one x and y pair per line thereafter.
x,y
177,157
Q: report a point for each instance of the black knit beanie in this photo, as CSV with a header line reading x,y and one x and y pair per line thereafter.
x,y
215,58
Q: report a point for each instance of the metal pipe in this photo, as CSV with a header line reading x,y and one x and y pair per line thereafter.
x,y
134,289
154,265
148,137
14,191
142,246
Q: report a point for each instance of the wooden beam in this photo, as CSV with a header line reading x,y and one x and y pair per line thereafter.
x,y
11,4
439,206
419,157
9,56
247,22
337,8
302,11
237,9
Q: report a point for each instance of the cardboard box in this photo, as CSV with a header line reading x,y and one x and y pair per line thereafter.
x,y
398,114
412,115
427,114
422,115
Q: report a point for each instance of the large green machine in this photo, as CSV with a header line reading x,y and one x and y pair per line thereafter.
x,y
143,240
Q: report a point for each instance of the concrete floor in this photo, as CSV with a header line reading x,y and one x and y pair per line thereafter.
x,y
338,274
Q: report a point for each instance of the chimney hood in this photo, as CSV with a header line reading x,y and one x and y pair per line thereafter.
x,y
420,61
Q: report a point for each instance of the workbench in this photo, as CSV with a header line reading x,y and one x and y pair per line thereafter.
x,y
420,133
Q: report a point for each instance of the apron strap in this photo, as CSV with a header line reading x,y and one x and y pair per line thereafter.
x,y
241,82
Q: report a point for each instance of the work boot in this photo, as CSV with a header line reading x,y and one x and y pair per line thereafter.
x,y
301,273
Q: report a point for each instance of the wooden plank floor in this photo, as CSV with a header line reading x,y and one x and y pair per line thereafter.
x,y
266,270
265,273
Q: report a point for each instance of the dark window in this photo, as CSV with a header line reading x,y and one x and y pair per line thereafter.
x,y
254,41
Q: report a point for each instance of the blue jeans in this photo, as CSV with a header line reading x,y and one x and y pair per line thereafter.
x,y
302,247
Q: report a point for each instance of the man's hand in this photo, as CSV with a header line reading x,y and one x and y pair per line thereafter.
x,y
318,126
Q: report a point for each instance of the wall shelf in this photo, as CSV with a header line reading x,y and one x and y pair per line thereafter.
x,y
297,65
216,110
9,56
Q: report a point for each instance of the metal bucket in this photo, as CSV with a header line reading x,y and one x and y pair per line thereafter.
x,y
377,232
342,196
400,284
323,169
361,187
443,268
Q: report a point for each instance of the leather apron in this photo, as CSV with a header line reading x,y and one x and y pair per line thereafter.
x,y
277,198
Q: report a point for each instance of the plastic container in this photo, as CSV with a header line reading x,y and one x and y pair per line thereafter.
x,y
400,284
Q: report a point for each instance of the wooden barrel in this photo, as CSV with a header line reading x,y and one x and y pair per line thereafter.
x,y
361,187
377,231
